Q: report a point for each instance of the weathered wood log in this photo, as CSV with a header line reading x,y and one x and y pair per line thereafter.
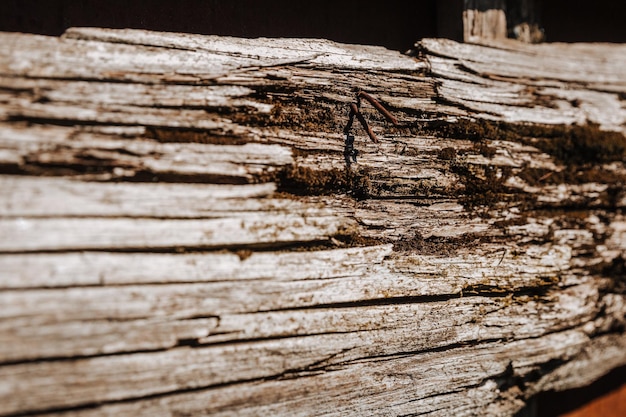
x,y
180,233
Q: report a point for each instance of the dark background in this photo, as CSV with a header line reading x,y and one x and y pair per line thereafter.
x,y
395,24
392,23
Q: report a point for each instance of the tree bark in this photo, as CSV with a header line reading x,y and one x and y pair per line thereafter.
x,y
181,233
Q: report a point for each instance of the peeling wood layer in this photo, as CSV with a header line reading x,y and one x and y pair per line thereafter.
x,y
181,235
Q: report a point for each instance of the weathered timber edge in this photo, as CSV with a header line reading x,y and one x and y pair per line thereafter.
x,y
180,233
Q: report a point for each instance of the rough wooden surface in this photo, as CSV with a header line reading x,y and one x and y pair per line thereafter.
x,y
180,234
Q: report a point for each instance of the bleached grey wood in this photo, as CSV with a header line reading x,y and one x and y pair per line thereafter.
x,y
126,290
261,283
386,384
319,52
21,234
508,79
322,343
24,197
95,268
61,146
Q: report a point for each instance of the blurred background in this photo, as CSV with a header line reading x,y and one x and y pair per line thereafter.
x,y
395,24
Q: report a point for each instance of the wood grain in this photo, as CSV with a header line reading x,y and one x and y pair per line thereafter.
x,y
180,235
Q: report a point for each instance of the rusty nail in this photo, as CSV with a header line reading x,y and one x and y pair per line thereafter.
x,y
378,107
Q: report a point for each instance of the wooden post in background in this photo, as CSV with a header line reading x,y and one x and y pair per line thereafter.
x,y
484,20
500,19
